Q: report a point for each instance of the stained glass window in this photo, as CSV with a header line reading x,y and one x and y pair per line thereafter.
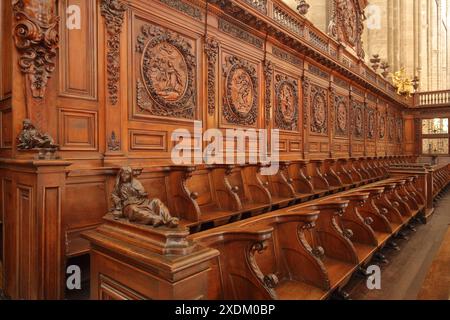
x,y
435,126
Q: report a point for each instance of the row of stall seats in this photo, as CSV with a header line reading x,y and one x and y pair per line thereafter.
x,y
441,176
209,196
311,250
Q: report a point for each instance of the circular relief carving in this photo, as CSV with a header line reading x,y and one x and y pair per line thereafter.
x,y
240,99
241,94
319,112
165,72
358,121
382,127
286,103
168,73
341,118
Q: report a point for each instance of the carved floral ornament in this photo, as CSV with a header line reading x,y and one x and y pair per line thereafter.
x,y
36,39
319,110
114,13
211,50
168,71
240,102
286,93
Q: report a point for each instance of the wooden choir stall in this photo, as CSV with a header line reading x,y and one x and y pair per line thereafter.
x,y
97,95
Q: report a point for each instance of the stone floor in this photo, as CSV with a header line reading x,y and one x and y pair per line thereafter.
x,y
403,276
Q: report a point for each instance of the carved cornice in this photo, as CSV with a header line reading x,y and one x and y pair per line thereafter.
x,y
114,13
36,39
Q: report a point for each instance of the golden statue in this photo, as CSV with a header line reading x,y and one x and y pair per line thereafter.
x,y
403,84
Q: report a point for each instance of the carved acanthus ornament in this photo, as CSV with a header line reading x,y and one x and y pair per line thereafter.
x,y
240,102
286,97
114,13
270,281
268,75
36,39
211,50
168,71
319,110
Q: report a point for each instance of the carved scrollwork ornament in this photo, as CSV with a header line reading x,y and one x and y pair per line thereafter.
x,y
240,102
286,97
268,75
370,124
358,119
211,51
36,39
268,281
382,126
319,110
319,252
113,12
168,71
306,84
113,142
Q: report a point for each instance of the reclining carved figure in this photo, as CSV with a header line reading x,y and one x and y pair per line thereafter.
x,y
131,202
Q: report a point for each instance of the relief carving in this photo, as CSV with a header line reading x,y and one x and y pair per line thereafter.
x,y
370,124
358,120
240,102
347,23
36,39
211,50
168,69
286,92
114,13
113,142
341,112
131,202
31,138
399,130
305,87
268,74
319,110
391,129
382,126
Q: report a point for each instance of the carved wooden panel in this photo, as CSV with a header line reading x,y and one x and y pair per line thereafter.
x,y
148,140
391,128
371,123
286,103
358,119
6,138
166,72
240,101
341,116
319,110
112,290
78,48
5,50
78,129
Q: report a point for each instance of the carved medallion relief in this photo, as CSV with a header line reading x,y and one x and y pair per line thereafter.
x,y
341,111
286,95
167,68
358,118
319,110
382,132
240,101
370,124
391,129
